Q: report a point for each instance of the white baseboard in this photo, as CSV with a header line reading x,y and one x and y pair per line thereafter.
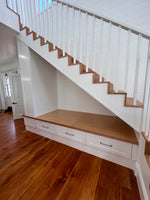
x,y
141,184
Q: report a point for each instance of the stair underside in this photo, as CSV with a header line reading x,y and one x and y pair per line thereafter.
x,y
128,102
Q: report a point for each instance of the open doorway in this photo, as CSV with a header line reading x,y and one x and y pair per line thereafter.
x,y
11,93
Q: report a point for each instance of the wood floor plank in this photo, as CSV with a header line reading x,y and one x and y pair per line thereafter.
x,y
36,168
112,178
83,180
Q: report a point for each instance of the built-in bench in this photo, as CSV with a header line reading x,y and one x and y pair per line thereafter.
x,y
105,136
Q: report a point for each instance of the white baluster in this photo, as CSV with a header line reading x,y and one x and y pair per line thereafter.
x,y
109,51
53,28
28,13
39,21
69,32
80,37
16,5
13,5
136,81
67,25
93,44
47,21
43,19
62,23
74,37
19,9
86,42
100,51
23,13
31,15
118,59
56,26
127,61
35,10
25,5
146,91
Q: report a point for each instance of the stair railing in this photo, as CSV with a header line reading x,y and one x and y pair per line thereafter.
x,y
118,52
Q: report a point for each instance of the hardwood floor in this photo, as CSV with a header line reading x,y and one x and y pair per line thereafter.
x,y
36,168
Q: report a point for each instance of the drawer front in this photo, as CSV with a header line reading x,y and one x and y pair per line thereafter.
x,y
69,133
46,126
30,122
123,149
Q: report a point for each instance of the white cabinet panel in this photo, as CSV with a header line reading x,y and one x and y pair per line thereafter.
x,y
46,127
69,133
30,122
113,146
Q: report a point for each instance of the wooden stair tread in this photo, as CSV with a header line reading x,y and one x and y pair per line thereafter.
x,y
107,126
129,103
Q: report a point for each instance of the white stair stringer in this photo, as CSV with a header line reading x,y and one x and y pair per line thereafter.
x,y
115,103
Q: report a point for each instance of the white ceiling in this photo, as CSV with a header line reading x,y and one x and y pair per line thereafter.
x,y
8,45
133,12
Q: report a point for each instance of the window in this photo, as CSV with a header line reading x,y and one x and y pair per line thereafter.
x,y
43,4
7,85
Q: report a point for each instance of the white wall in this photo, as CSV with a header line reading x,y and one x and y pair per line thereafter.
x,y
8,47
44,85
14,64
39,82
72,97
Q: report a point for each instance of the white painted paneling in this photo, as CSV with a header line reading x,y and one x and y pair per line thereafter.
x,y
8,47
39,82
72,97
44,85
25,70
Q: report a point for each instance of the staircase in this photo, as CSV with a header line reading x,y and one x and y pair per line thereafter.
x,y
107,59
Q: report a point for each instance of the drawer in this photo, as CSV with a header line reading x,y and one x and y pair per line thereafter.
x,y
123,149
70,133
46,126
30,122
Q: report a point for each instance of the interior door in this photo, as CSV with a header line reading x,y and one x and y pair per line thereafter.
x,y
17,96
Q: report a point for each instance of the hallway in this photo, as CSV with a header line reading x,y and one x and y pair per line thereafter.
x,y
35,168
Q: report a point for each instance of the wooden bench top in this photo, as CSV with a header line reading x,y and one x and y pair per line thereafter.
x,y
107,126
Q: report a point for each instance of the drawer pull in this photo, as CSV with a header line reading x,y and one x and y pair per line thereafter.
x,y
45,126
108,145
71,134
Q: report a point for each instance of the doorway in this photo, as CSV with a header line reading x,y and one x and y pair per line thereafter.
x,y
11,93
